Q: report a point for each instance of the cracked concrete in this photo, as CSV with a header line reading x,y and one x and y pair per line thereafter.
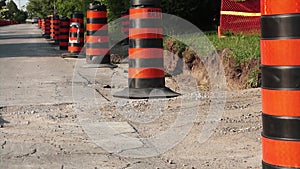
x,y
62,116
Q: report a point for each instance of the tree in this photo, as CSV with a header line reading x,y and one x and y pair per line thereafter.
x,y
202,13
12,10
114,7
3,9
2,3
21,16
40,8
66,8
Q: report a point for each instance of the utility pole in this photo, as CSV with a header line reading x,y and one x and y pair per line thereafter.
x,y
54,9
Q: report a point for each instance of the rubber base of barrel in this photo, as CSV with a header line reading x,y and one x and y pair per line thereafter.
x,y
146,93
70,55
53,43
99,66
269,166
46,36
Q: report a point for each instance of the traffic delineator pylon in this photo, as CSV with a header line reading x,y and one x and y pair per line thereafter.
x,y
76,35
146,77
97,39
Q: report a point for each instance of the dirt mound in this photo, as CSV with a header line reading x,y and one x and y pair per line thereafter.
x,y
238,75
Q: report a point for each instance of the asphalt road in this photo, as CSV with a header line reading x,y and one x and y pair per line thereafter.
x,y
54,114
31,68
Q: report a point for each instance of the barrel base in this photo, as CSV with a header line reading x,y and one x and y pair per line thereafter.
x,y
63,47
269,166
70,55
46,36
107,65
146,93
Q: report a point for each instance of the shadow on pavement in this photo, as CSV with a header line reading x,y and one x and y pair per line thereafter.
x,y
29,50
2,122
5,37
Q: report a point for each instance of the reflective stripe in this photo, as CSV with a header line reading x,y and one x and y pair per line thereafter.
x,y
280,52
281,102
145,53
146,72
281,153
236,13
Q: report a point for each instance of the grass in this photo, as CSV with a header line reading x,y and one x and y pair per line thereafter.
x,y
243,47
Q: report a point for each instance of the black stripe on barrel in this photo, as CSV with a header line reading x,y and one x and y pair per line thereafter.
x,y
97,40
281,77
284,26
145,3
145,43
76,33
281,127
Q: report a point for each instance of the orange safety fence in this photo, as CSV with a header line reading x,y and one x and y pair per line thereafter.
x,y
239,16
5,22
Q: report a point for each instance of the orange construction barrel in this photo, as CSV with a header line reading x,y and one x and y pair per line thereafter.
x,y
76,33
54,28
64,33
97,39
43,26
146,66
47,28
39,23
280,40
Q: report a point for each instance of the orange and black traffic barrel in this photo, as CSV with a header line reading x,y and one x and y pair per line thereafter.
x,y
54,28
43,26
97,39
39,23
47,28
64,33
146,66
76,33
280,41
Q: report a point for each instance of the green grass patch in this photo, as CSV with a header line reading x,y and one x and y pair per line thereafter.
x,y
243,47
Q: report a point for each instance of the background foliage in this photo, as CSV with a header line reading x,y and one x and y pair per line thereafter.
x,y
11,12
202,13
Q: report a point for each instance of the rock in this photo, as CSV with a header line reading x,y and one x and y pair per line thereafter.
x,y
107,87
171,162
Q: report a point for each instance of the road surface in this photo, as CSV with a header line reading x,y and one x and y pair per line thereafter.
x,y
55,114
